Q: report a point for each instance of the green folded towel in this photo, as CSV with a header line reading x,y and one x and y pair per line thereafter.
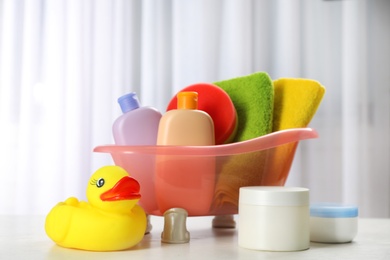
x,y
253,98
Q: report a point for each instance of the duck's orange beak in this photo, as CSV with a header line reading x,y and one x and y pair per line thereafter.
x,y
126,188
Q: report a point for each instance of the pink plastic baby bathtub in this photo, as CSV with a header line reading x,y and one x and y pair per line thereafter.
x,y
205,180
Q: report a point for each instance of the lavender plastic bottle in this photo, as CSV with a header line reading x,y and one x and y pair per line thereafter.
x,y
137,125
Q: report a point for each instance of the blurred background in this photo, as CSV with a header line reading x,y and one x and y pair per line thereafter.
x,y
64,63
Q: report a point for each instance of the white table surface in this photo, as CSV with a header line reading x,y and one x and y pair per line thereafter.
x,y
23,237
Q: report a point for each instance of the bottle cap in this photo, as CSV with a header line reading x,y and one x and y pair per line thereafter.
x,y
187,100
128,102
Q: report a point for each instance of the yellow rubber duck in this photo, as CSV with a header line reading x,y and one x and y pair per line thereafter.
x,y
110,220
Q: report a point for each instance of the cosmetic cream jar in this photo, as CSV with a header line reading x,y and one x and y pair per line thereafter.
x,y
333,223
274,218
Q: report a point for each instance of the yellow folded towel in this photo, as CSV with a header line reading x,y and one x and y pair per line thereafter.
x,y
295,103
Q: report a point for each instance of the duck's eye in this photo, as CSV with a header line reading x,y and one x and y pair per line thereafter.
x,y
100,183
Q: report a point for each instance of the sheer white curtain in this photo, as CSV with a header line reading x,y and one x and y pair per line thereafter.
x,y
347,47
63,63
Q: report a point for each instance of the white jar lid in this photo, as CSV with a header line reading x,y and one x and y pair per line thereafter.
x,y
274,196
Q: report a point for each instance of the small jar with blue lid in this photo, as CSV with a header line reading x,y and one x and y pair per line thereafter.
x,y
333,223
